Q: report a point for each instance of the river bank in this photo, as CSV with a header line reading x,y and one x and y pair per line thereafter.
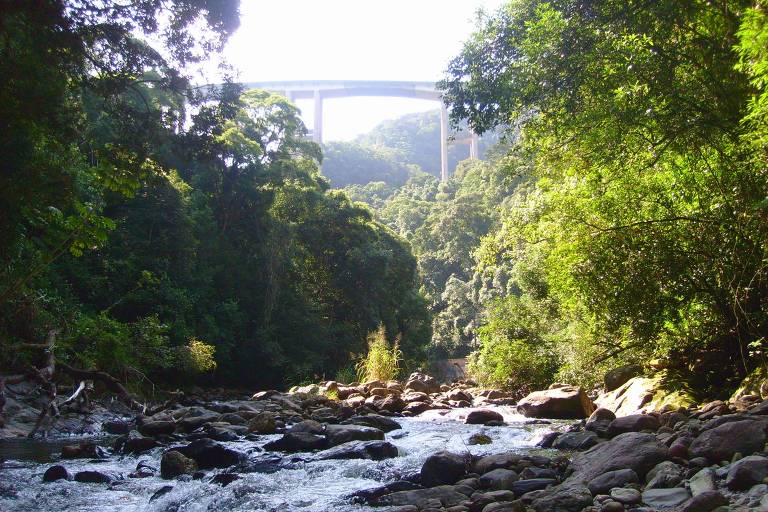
x,y
465,450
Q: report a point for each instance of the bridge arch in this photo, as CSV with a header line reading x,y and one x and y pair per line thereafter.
x,y
319,90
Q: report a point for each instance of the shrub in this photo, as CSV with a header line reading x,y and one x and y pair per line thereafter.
x,y
197,357
381,362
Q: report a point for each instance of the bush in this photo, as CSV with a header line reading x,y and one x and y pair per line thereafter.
x,y
382,362
197,357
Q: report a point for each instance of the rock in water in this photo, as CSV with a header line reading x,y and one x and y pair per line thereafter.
x,y
373,450
483,416
263,423
93,477
443,468
293,442
57,472
210,454
175,463
375,421
567,402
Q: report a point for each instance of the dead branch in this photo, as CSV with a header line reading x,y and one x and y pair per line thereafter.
x,y
112,384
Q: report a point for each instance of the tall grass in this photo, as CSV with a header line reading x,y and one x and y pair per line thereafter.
x,y
381,362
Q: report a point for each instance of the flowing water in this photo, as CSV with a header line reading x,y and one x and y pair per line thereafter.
x,y
298,485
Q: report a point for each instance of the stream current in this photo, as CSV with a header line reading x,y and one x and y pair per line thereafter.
x,y
299,484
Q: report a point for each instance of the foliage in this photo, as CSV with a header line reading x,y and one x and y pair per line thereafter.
x,y
645,220
198,357
346,163
382,362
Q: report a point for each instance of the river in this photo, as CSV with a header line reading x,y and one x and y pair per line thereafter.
x,y
298,485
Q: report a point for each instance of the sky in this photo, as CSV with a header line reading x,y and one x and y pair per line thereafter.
x,y
351,40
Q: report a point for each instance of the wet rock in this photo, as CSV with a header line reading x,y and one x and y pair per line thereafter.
x,y
483,416
308,426
705,502
158,428
118,427
521,487
499,479
479,438
619,376
57,472
374,421
93,477
575,441
747,472
224,479
664,499
534,472
210,454
373,450
548,440
161,492
174,463
568,497
143,470
232,418
664,475
443,468
392,404
263,423
416,408
83,451
136,443
633,423
634,450
703,481
607,481
443,495
565,402
720,443
293,442
338,434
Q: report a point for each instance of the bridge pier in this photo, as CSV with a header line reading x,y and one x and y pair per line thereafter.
x,y
443,142
474,146
317,131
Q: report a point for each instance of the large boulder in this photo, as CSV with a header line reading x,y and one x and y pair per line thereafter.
x,y
747,472
499,479
607,481
618,376
293,442
422,383
720,443
583,440
642,394
443,468
338,434
565,402
374,421
568,497
633,423
210,454
634,450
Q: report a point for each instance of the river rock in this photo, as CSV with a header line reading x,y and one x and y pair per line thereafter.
x,y
442,496
443,468
293,442
499,479
117,427
483,416
568,497
373,450
664,475
136,443
634,450
83,451
720,443
210,454
57,472
599,421
705,502
392,404
338,434
497,460
618,376
619,478
633,423
263,423
747,472
158,428
309,426
174,463
703,481
416,408
627,496
521,487
374,421
665,499
575,441
564,402
93,477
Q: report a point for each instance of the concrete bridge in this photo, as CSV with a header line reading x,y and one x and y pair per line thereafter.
x,y
319,90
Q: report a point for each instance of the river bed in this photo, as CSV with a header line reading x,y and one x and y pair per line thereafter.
x,y
299,484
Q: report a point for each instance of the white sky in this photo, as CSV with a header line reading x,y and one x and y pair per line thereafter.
x,y
351,40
